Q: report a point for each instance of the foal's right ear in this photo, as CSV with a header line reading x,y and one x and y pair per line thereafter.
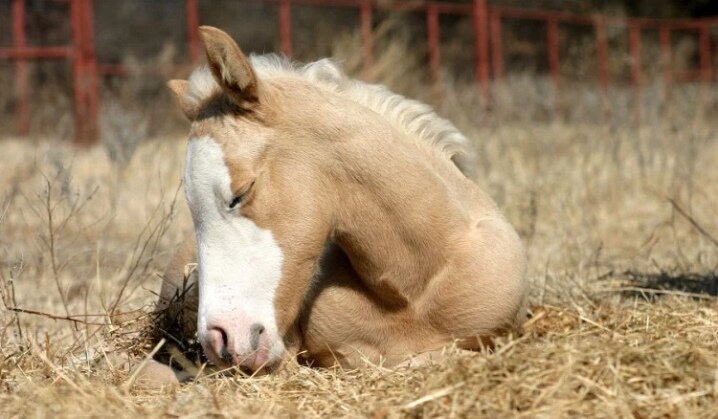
x,y
230,67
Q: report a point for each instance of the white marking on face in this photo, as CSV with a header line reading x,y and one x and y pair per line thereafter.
x,y
239,262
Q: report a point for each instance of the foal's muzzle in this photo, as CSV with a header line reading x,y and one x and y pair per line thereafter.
x,y
237,344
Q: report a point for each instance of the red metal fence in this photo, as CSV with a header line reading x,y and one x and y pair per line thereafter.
x,y
84,67
487,22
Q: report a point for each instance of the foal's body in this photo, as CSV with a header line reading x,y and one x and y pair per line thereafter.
x,y
421,257
349,321
389,249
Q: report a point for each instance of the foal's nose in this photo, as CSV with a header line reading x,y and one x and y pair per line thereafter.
x,y
238,345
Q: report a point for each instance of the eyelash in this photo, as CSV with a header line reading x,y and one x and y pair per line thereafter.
x,y
235,202
238,199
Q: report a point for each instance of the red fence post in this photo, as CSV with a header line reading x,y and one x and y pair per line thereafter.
x,y
21,88
481,47
602,57
602,53
80,100
285,27
367,41
634,45
497,57
93,97
634,34
552,44
704,41
84,73
192,21
664,36
432,34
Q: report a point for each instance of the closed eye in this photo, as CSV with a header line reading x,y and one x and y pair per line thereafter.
x,y
235,202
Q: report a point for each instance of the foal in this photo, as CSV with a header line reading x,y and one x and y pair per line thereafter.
x,y
333,217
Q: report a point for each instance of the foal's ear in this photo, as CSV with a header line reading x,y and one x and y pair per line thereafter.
x,y
180,88
230,67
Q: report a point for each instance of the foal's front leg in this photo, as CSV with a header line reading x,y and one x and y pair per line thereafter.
x,y
345,323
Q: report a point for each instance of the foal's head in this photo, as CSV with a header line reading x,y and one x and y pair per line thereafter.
x,y
254,189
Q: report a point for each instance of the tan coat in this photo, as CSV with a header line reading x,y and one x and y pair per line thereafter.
x,y
389,249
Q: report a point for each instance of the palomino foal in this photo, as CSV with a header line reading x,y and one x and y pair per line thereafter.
x,y
334,217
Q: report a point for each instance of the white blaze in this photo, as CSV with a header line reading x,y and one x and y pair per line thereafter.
x,y
239,262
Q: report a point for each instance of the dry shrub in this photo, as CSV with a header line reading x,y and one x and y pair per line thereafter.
x,y
392,44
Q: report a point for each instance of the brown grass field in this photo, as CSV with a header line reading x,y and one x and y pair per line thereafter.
x,y
620,221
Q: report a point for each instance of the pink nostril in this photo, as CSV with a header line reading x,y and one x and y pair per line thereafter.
x,y
255,333
237,345
217,339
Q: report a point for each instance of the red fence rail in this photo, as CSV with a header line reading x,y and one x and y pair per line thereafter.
x,y
487,22
84,68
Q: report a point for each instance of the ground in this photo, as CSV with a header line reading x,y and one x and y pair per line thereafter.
x,y
620,226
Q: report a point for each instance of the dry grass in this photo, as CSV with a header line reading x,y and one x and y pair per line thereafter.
x,y
606,210
590,203
630,360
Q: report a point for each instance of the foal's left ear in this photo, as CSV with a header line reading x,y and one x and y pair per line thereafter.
x,y
180,89
230,67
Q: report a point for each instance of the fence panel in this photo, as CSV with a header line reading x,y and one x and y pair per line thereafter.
x,y
489,23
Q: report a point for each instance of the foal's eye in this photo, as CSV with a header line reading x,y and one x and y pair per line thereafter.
x,y
235,202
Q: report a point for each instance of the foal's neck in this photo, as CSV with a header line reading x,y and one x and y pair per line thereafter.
x,y
401,212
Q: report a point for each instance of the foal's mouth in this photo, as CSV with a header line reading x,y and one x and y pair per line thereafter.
x,y
228,362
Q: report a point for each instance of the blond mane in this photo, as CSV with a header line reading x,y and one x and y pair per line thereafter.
x,y
412,117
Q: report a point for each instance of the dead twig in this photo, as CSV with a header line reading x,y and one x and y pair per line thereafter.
x,y
8,296
69,318
49,212
145,250
693,222
658,291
